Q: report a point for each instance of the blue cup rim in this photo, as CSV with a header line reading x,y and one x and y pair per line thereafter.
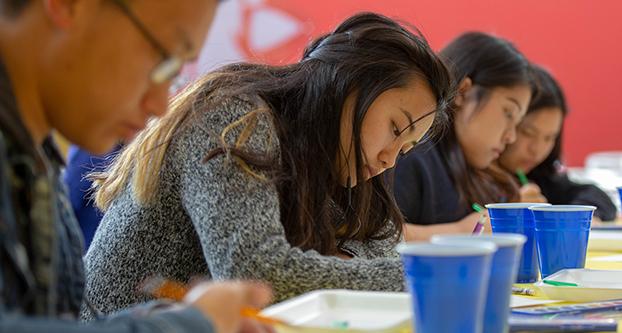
x,y
499,239
426,249
564,208
515,205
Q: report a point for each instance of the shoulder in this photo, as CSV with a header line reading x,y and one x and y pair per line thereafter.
x,y
235,121
422,162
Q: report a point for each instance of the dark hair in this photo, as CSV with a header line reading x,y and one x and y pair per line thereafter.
x,y
365,55
489,62
12,8
548,94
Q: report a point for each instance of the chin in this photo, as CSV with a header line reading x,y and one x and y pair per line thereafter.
x,y
526,169
98,148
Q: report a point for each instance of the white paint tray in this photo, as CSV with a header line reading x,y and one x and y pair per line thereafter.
x,y
344,311
594,285
363,311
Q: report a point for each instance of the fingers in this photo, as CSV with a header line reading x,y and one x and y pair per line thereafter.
x,y
258,295
223,302
531,193
530,188
251,326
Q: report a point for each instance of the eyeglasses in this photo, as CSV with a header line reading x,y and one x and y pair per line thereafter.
x,y
170,66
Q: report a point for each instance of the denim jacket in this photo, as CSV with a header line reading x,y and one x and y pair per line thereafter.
x,y
41,269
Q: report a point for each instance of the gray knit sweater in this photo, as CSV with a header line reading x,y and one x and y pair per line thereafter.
x,y
216,220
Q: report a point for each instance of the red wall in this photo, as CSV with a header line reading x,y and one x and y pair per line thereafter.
x,y
578,40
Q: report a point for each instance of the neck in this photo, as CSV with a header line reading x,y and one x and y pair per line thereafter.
x,y
18,52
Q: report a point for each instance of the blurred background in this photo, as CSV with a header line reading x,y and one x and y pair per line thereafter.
x,y
579,41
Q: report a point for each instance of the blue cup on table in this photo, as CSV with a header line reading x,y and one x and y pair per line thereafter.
x,y
448,285
518,219
505,262
562,233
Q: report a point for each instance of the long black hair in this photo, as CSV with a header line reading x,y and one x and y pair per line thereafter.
x,y
548,95
364,56
489,62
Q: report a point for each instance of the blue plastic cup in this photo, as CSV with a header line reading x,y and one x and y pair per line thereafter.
x,y
505,263
562,233
448,285
517,218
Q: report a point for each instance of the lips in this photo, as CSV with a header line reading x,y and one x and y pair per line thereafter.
x,y
528,165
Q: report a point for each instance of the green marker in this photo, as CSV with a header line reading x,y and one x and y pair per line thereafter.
x,y
477,208
560,284
340,324
521,177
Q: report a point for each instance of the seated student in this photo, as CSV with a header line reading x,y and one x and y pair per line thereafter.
x,y
63,67
537,152
437,183
81,163
270,173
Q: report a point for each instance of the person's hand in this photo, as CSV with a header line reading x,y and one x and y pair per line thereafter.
x,y
531,193
467,223
222,303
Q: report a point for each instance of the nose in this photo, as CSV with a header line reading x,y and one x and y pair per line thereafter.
x,y
155,100
540,147
388,156
510,135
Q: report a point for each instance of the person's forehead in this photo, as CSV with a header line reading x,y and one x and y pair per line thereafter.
x,y
545,118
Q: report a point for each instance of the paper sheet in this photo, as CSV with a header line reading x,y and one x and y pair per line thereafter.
x,y
521,301
616,258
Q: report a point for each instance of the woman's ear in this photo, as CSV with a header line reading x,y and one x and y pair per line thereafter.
x,y
465,85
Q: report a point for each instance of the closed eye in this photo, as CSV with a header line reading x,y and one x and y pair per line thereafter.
x,y
396,131
509,114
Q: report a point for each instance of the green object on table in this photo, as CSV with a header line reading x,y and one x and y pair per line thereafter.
x,y
340,324
560,284
476,207
521,177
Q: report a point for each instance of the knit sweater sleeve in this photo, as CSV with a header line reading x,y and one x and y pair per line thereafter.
x,y
237,216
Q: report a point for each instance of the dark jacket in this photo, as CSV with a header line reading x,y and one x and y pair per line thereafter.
x,y
424,189
80,163
41,269
558,189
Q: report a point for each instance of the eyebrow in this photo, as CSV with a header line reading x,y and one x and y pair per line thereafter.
x,y
412,122
512,99
531,127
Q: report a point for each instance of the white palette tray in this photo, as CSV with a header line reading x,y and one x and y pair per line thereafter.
x,y
326,311
345,310
593,285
